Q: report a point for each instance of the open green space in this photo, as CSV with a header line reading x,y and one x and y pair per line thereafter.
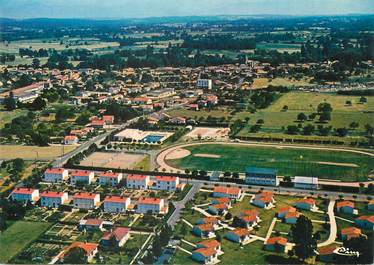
x,y
345,166
18,236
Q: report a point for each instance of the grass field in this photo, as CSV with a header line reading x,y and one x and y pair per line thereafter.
x,y
18,236
33,152
262,82
288,161
8,116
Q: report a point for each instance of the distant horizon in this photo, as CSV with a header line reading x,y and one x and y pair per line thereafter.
x,y
141,9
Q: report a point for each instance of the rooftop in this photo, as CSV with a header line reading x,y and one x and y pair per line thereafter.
x,y
260,170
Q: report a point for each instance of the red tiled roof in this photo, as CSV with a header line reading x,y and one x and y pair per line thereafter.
x,y
209,243
287,209
93,222
351,230
369,218
220,206
87,247
249,212
119,233
55,170
277,240
70,137
166,178
345,204
240,232
84,195
149,201
23,191
231,191
210,220
206,227
137,177
109,174
307,200
249,218
52,194
117,199
80,173
265,199
292,215
326,250
206,252
222,200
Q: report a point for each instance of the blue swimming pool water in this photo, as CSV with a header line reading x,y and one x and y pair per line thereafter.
x,y
152,138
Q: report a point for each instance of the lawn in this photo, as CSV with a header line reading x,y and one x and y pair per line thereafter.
x,y
288,161
144,164
33,152
8,116
262,82
18,236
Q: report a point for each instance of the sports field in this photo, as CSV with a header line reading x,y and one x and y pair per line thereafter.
x,y
339,165
18,236
113,160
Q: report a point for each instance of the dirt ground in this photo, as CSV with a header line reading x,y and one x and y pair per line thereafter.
x,y
113,160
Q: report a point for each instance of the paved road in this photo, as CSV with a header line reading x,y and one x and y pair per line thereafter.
x,y
179,205
332,235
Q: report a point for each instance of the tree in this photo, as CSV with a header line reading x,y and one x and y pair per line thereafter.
x,y
325,116
75,255
38,103
9,102
353,125
342,131
308,129
228,216
363,100
302,117
292,129
156,247
35,63
348,102
364,246
324,107
302,234
285,108
2,222
83,118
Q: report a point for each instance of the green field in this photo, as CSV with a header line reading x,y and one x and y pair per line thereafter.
x,y
300,162
18,236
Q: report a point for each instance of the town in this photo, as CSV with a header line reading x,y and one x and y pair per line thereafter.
x,y
187,140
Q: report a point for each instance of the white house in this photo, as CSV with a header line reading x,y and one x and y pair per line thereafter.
x,y
151,205
137,181
81,176
90,250
110,178
204,83
53,199
25,195
56,175
70,139
86,200
119,235
167,183
116,204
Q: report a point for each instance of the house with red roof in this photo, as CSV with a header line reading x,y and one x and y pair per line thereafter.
x,y
209,220
81,176
306,204
263,200
210,243
365,222
205,255
347,207
326,253
151,205
117,237
55,175
53,199
247,219
350,232
277,244
218,209
116,204
70,139
226,201
285,210
110,178
170,183
227,192
90,250
91,224
204,230
371,205
137,181
291,217
86,200
108,119
239,235
25,195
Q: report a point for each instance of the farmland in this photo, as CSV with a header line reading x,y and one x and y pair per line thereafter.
x,y
33,152
340,165
18,236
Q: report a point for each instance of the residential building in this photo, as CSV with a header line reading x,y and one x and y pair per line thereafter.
x,y
238,235
326,253
204,230
117,237
261,176
291,217
85,200
277,244
90,250
151,205
53,199
263,200
56,175
137,181
218,209
81,176
365,222
110,178
209,220
371,205
25,195
205,255
204,83
167,183
210,243
347,207
70,139
307,183
226,192
116,204
91,224
350,232
306,204
285,210
226,201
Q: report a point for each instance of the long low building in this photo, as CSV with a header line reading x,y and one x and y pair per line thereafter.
x,y
261,176
308,183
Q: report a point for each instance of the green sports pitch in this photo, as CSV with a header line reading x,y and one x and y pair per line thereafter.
x,y
339,165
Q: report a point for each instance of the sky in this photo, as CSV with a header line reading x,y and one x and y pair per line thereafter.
x,y
162,8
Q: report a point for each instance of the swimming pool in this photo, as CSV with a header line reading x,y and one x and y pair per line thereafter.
x,y
152,138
